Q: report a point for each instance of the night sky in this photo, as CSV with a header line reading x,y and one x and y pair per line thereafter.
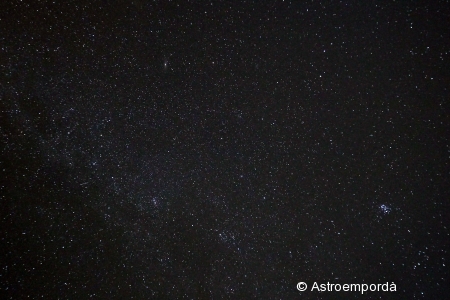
x,y
224,149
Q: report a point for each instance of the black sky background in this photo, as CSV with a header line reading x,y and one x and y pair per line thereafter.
x,y
179,149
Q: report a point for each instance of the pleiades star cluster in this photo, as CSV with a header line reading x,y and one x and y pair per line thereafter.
x,y
224,149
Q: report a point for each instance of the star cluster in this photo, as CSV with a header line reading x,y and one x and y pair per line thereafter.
x,y
178,149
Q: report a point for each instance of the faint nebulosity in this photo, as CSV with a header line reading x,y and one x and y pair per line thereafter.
x,y
223,149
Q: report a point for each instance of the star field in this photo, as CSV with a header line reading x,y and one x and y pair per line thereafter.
x,y
209,150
